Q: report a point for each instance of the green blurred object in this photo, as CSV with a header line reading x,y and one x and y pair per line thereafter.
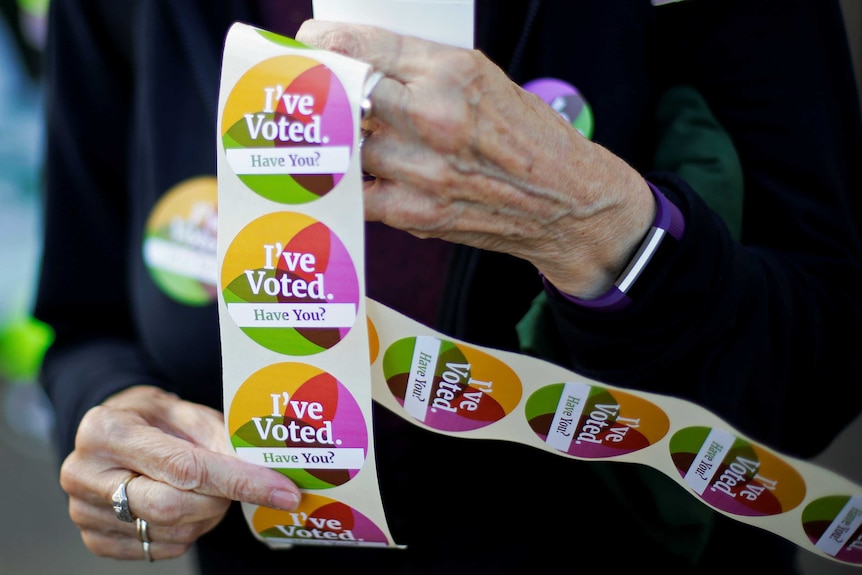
x,y
39,7
694,145
23,342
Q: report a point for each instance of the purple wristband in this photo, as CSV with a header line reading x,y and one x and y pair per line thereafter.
x,y
668,221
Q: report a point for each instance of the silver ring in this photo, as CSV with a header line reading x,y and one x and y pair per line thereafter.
x,y
120,499
146,546
371,82
141,527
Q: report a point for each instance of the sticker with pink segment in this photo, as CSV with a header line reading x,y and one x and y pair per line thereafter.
x,y
594,422
735,475
318,520
290,284
449,386
834,525
301,421
288,129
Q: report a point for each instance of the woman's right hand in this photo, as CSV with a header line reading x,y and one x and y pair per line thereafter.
x,y
188,474
461,153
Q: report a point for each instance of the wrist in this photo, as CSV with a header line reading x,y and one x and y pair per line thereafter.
x,y
668,223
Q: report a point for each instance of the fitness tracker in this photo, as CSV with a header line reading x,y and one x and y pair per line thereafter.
x,y
668,221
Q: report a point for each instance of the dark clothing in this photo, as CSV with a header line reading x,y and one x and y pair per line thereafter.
x,y
747,329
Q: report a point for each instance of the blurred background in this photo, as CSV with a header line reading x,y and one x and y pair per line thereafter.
x,y
36,535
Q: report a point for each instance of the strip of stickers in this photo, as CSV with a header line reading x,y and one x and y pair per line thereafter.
x,y
296,383
297,333
464,390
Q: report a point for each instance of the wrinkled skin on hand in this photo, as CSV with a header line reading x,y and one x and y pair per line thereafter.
x,y
462,153
188,474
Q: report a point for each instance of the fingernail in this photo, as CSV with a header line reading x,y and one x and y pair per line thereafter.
x,y
285,500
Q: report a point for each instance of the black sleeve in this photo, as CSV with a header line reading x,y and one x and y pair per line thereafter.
x,y
762,331
83,279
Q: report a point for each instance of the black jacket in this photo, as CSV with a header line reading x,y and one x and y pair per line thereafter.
x,y
756,330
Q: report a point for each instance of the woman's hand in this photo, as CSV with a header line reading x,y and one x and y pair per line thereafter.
x,y
462,153
188,474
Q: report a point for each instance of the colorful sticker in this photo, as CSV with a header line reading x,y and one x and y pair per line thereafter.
x,y
290,285
180,242
373,340
301,421
317,521
834,525
734,475
287,129
567,100
593,422
449,386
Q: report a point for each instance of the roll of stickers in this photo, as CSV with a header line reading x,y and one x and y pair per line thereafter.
x,y
297,333
296,383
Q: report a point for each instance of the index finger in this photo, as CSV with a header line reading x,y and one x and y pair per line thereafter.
x,y
397,56
183,445
189,451
190,467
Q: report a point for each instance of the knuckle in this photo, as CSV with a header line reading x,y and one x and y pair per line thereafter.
x,y
166,510
187,534
462,68
76,511
70,475
91,424
339,40
93,542
98,426
185,470
238,487
172,550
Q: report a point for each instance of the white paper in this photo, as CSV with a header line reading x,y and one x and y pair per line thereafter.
x,y
444,21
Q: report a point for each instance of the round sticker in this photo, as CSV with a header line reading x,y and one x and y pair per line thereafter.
x,y
567,100
734,475
593,422
834,525
287,129
301,421
318,520
448,386
290,284
373,340
180,242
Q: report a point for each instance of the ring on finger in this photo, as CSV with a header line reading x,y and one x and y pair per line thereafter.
x,y
365,105
120,500
141,526
146,546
